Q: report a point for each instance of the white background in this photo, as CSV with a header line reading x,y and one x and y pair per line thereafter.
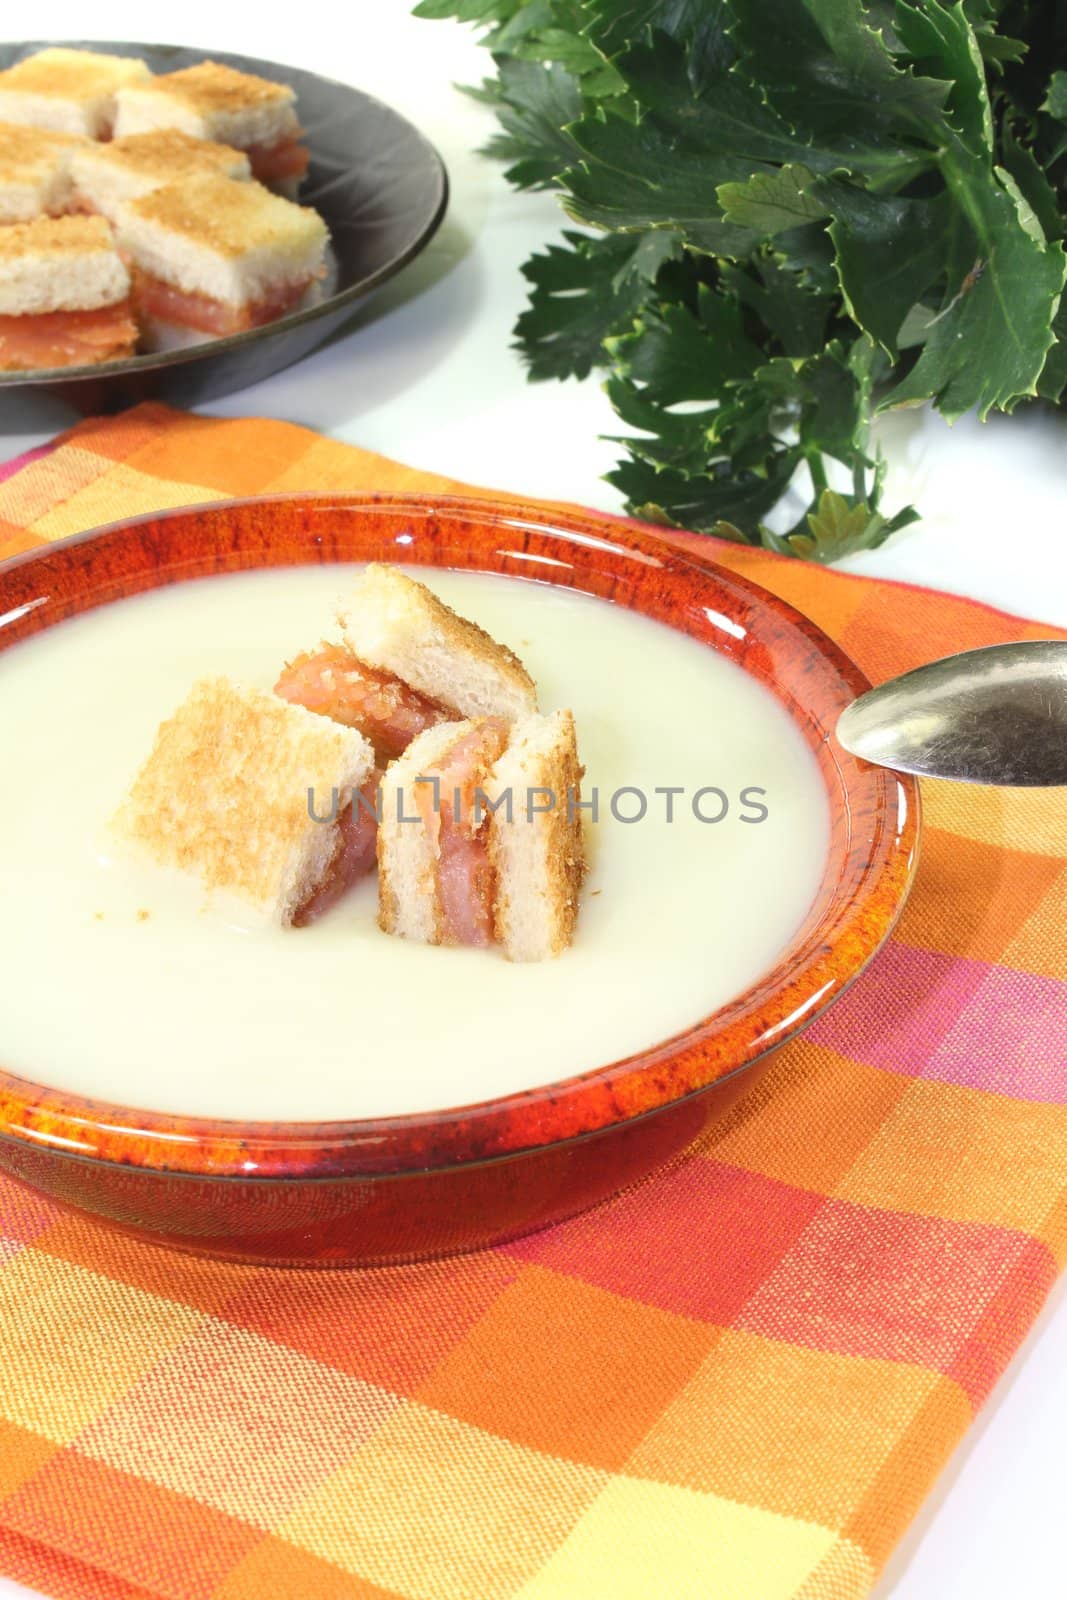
x,y
427,376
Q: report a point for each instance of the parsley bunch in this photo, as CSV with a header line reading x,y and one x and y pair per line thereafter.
x,y
802,212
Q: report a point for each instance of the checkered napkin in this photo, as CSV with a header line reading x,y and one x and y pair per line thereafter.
x,y
735,1382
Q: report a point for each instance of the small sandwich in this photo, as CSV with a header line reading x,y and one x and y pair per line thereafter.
x,y
408,663
35,172
64,295
108,176
480,838
72,91
212,257
228,794
210,101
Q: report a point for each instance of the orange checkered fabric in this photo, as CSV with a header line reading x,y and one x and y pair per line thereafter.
x,y
735,1382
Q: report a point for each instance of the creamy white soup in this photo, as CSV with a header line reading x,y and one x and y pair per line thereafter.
x,y
128,982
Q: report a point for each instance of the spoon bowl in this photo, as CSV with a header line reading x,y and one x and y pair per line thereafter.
x,y
995,716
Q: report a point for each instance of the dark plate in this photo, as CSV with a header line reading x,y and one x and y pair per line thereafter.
x,y
380,186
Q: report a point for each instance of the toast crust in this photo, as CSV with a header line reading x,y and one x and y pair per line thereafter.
x,y
59,264
162,157
393,622
408,903
212,88
225,239
72,91
228,217
76,75
33,151
212,101
539,860
224,793
55,236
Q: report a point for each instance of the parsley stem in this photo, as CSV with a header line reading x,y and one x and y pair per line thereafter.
x,y
817,470
859,481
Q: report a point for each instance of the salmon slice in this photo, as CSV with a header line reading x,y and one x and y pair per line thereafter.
x,y
67,338
357,828
337,684
154,298
273,162
465,879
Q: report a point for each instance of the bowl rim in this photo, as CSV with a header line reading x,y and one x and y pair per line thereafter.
x,y
762,1018
154,361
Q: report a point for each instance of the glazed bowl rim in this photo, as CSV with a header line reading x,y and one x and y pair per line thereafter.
x,y
569,1109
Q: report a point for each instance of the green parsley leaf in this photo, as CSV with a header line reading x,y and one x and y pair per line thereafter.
x,y
773,202
989,345
802,214
534,106
838,527
1055,101
582,292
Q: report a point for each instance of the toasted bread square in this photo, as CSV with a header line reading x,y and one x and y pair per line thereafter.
x,y
59,264
535,843
533,835
211,101
229,241
408,905
72,91
225,794
35,171
108,176
393,622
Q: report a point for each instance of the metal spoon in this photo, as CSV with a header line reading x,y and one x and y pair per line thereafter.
x,y
997,715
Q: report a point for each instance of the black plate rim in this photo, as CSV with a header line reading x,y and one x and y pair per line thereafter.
x,y
160,360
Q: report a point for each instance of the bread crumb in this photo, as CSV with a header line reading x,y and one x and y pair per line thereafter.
x,y
143,915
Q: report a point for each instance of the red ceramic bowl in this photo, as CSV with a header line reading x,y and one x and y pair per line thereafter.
x,y
397,1188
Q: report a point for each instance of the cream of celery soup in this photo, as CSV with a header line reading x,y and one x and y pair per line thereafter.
x,y
128,982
